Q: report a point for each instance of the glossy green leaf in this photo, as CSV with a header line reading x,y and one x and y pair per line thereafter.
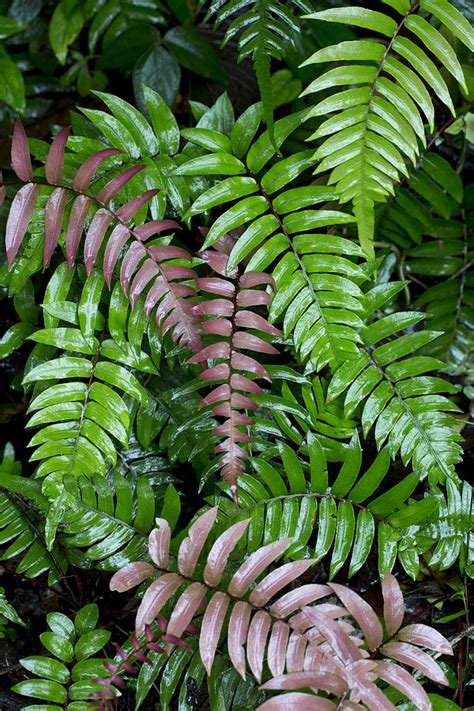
x,y
163,122
361,17
213,164
46,668
41,689
90,643
12,87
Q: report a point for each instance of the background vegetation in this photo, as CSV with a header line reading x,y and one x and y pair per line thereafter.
x,y
237,354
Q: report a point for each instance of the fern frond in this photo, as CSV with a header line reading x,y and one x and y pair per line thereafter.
x,y
176,424
316,274
106,522
79,427
265,30
295,412
448,538
423,205
447,252
378,126
287,630
22,528
228,317
400,399
51,203
333,516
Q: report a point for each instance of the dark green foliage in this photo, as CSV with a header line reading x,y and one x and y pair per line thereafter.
x,y
66,675
265,290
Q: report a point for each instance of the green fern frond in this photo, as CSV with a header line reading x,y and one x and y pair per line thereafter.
x,y
22,531
318,280
79,427
423,205
334,516
449,536
106,522
174,421
298,411
401,401
446,254
265,30
377,124
79,406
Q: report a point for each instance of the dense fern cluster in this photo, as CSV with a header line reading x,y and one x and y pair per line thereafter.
x,y
266,321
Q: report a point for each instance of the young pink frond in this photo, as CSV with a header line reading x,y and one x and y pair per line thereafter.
x,y
190,549
298,598
166,251
314,658
255,565
21,160
217,327
413,657
217,262
156,227
134,255
322,681
214,285
116,242
216,350
341,644
239,401
297,701
362,613
257,642
373,697
393,605
240,382
77,219
295,652
240,361
95,236
176,271
185,609
218,372
403,681
219,554
237,634
278,579
252,297
425,637
247,319
253,343
117,183
130,576
277,645
159,543
19,219
228,430
215,307
211,627
219,394
156,596
142,278
300,620
130,209
53,219
55,160
251,279
88,169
